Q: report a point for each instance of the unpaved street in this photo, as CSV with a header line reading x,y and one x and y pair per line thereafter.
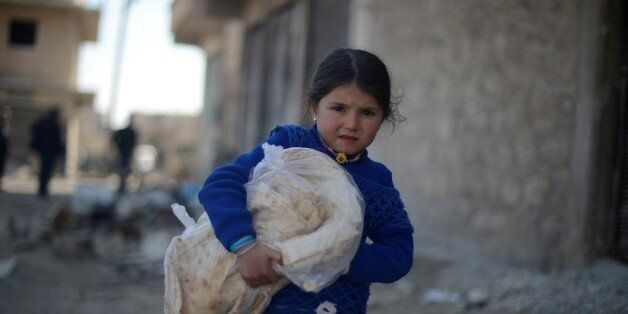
x,y
446,278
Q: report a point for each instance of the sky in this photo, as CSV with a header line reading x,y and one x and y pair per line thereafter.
x,y
157,76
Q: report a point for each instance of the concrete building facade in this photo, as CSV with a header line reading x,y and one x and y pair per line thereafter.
x,y
39,45
513,136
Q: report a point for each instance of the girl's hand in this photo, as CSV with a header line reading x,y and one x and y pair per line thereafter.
x,y
254,265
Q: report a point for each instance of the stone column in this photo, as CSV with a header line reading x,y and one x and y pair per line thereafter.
x,y
72,144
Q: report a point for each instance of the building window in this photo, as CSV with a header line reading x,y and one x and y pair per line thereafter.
x,y
22,33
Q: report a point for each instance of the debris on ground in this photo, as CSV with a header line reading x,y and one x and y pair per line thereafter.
x,y
394,292
89,198
43,244
441,296
130,229
476,298
7,266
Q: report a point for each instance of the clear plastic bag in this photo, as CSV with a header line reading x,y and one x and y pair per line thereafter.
x,y
304,205
309,209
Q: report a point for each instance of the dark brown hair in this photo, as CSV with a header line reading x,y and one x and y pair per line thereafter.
x,y
344,66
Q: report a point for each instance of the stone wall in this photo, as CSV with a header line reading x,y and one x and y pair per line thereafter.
x,y
490,91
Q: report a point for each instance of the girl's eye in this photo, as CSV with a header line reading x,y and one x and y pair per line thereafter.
x,y
368,113
339,108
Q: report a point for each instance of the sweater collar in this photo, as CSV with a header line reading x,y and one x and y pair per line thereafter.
x,y
323,148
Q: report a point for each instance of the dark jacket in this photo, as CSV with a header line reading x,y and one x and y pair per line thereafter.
x,y
46,136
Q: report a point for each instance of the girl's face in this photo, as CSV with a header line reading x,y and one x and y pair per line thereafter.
x,y
348,119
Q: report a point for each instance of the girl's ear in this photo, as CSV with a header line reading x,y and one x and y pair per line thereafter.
x,y
313,107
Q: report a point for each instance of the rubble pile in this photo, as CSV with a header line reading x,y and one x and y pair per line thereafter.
x,y
129,231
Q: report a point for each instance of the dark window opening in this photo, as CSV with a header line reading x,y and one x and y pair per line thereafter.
x,y
22,32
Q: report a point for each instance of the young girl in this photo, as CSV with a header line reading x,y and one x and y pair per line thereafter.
x,y
349,100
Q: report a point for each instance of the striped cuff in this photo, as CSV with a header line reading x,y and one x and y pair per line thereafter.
x,y
240,243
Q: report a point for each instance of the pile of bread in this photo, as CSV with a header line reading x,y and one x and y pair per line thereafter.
x,y
304,205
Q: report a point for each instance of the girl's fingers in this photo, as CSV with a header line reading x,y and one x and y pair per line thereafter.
x,y
256,268
275,256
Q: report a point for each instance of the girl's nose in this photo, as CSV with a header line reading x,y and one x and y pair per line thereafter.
x,y
351,121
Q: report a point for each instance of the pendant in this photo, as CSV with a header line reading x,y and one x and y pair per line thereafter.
x,y
341,158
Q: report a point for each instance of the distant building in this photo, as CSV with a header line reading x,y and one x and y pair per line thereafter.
x,y
174,137
39,47
515,136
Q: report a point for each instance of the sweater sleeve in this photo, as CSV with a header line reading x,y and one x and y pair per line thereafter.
x,y
223,195
386,261
391,254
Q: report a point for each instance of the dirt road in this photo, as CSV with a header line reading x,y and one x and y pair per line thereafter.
x,y
443,280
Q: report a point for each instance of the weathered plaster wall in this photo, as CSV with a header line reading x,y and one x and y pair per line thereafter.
x,y
490,92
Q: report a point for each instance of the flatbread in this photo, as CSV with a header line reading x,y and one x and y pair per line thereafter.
x,y
304,205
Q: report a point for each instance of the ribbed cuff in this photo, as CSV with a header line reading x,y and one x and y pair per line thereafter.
x,y
241,242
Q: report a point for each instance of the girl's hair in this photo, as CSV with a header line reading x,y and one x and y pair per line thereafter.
x,y
345,65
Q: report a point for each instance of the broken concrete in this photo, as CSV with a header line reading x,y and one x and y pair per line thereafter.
x,y
7,266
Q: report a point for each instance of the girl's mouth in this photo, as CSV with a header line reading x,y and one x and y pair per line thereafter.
x,y
347,138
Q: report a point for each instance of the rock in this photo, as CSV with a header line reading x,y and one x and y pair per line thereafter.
x,y
477,297
441,296
7,266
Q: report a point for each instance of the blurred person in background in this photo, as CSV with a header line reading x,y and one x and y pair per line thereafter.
x,y
46,141
125,141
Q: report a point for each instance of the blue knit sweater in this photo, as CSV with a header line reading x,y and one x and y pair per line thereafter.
x,y
388,258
